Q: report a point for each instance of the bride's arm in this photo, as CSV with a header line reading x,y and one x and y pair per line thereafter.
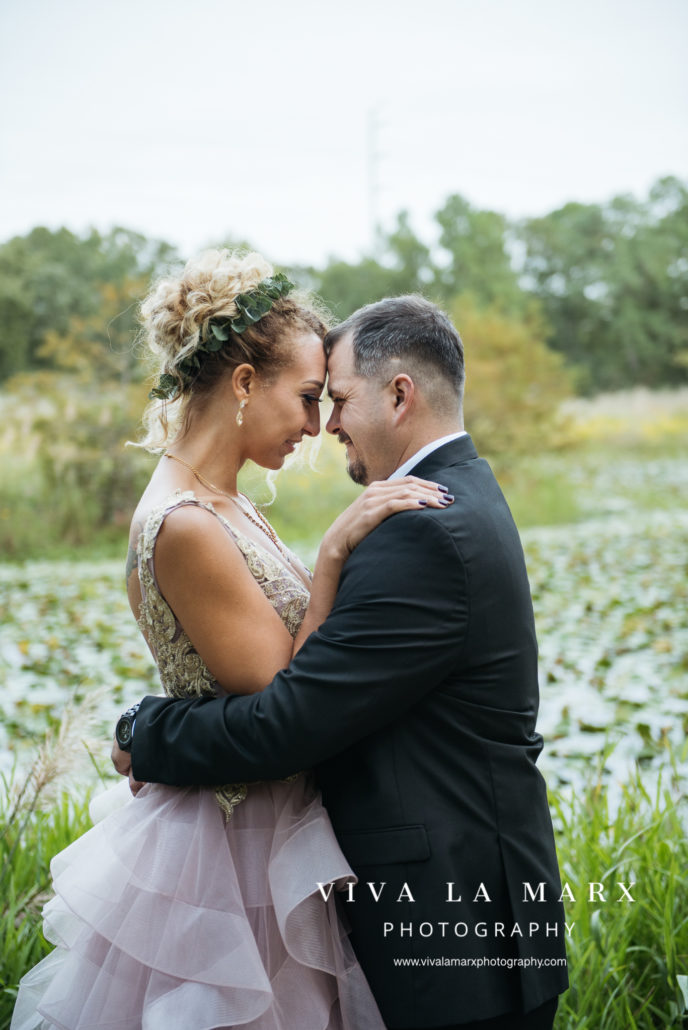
x,y
205,580
373,506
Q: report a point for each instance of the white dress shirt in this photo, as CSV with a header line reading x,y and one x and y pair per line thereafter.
x,y
404,469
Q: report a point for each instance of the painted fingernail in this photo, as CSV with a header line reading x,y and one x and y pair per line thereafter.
x,y
421,501
443,489
448,497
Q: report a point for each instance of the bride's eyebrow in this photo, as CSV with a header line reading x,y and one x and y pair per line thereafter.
x,y
313,382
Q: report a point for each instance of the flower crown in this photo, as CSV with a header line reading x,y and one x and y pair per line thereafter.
x,y
251,307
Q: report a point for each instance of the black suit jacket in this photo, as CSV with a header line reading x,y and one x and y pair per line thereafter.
x,y
415,702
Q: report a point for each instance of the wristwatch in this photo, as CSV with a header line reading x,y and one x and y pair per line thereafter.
x,y
124,730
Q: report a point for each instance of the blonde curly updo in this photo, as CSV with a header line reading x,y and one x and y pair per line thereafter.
x,y
175,317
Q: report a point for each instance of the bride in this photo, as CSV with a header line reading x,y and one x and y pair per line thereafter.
x,y
199,908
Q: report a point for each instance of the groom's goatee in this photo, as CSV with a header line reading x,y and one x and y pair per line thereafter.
x,y
357,471
354,466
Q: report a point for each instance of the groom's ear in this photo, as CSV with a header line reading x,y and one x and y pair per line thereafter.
x,y
404,391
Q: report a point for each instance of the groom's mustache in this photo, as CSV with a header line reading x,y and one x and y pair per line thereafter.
x,y
343,438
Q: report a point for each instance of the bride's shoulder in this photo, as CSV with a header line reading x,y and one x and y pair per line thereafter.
x,y
180,508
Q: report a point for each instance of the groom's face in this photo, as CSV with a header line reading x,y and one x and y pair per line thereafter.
x,y
359,417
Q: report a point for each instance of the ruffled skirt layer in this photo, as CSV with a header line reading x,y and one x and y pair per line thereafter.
x,y
165,916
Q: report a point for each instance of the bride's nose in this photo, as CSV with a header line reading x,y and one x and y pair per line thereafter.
x,y
312,426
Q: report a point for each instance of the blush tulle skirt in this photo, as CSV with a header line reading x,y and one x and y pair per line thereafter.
x,y
166,916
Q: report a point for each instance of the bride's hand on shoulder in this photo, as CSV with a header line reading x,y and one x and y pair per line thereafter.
x,y
377,502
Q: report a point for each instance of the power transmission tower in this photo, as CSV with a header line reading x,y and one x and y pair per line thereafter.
x,y
373,165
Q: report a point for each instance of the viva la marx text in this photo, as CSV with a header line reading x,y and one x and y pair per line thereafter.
x,y
596,892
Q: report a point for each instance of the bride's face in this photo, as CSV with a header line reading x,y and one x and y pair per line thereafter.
x,y
279,413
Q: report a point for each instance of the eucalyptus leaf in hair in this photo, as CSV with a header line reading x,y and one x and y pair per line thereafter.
x,y
251,307
220,333
167,388
254,304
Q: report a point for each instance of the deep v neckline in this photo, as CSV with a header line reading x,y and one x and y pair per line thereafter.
x,y
261,547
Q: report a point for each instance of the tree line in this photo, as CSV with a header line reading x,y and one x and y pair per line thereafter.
x,y
605,286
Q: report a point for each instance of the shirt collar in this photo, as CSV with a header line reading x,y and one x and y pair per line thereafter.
x,y
411,463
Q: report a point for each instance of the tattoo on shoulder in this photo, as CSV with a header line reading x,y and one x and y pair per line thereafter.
x,y
132,554
132,562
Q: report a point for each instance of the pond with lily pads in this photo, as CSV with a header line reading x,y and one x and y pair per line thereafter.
x,y
611,604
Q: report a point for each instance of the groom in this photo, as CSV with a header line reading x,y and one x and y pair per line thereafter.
x,y
415,704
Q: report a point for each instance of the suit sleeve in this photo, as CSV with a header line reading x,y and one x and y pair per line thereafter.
x,y
394,632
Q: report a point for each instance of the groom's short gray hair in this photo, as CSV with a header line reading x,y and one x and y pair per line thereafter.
x,y
404,331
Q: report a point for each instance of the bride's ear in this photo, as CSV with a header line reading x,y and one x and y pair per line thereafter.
x,y
243,378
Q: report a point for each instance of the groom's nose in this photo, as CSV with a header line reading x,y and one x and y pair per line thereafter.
x,y
333,425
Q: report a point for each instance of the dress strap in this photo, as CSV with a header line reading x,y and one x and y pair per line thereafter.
x,y
156,517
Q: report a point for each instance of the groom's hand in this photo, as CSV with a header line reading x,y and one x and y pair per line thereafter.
x,y
122,763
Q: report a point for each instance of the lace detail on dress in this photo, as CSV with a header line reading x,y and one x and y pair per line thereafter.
x,y
287,595
183,672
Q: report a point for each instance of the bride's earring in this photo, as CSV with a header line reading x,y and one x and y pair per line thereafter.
x,y
240,412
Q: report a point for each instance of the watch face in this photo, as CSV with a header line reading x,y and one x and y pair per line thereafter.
x,y
124,732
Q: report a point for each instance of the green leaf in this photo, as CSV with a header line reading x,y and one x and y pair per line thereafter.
x,y
220,330
683,985
249,310
276,287
166,388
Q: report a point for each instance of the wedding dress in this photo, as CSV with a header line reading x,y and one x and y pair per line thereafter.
x,y
197,908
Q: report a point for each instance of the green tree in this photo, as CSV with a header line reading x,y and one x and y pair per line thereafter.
x,y
101,347
613,281
514,383
475,256
471,254
403,267
46,277
53,280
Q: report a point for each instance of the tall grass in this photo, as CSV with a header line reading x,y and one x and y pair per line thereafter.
x,y
26,847
628,961
38,818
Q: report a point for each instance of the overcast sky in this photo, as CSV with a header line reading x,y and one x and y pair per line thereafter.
x,y
296,124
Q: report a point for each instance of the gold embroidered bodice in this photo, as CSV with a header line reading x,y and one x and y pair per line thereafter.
x,y
183,672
